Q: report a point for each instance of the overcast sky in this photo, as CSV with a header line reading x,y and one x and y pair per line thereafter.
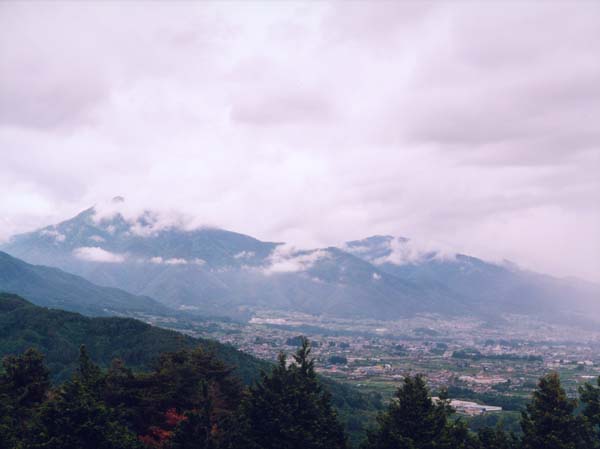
x,y
475,126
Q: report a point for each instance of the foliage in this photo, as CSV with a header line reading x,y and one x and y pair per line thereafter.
x,y
289,409
24,382
338,360
590,397
59,334
549,422
414,420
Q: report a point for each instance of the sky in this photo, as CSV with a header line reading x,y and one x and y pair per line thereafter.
x,y
474,126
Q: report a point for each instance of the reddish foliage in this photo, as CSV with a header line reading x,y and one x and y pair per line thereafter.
x,y
158,437
172,418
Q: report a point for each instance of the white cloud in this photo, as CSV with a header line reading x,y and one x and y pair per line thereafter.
x,y
56,235
97,238
406,251
140,221
176,261
97,254
244,255
287,259
376,276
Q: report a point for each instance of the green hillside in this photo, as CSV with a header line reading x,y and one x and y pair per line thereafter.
x,y
59,334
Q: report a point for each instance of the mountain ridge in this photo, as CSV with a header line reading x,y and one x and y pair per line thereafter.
x,y
52,287
219,272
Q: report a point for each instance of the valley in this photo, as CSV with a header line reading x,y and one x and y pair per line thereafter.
x,y
495,365
375,310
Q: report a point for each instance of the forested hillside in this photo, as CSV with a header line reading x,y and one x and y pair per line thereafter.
x,y
59,334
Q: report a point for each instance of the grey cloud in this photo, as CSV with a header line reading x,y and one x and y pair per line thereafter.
x,y
312,123
281,109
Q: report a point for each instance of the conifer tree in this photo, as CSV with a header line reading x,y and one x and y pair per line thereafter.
x,y
76,417
25,378
549,422
88,372
24,384
288,409
590,397
414,421
497,438
197,430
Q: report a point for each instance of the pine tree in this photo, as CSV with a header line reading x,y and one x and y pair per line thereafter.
x,y
24,384
197,430
25,378
88,373
414,421
288,409
497,438
549,422
76,417
192,384
590,398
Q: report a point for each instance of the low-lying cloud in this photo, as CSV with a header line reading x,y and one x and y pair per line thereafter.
x,y
407,251
287,259
176,261
54,234
97,254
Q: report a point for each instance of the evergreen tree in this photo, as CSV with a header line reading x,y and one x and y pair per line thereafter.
x,y
497,438
288,409
24,384
414,421
197,430
25,378
590,398
75,419
191,384
549,422
88,373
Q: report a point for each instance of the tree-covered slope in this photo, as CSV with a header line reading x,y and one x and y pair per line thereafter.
x,y
59,334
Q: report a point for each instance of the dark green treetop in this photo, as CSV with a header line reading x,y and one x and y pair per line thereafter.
x,y
414,420
289,409
549,421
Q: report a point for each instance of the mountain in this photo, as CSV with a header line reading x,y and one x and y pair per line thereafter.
x,y
52,287
218,272
482,287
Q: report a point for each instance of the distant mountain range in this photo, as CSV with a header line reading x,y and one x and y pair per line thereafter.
x,y
213,271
